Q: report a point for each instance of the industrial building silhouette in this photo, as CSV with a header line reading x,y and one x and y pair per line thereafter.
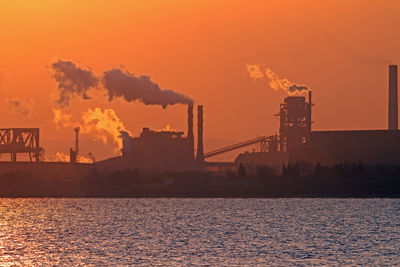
x,y
300,144
161,150
173,150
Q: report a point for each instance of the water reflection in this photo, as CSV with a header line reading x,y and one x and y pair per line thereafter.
x,y
199,231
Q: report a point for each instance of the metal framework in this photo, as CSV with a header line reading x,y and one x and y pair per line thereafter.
x,y
295,129
267,144
20,140
295,121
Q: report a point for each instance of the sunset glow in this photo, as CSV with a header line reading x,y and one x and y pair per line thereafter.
x,y
340,49
199,133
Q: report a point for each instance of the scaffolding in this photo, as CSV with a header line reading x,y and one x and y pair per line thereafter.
x,y
20,140
295,121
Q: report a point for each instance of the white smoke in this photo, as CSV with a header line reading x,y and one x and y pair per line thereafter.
x,y
276,83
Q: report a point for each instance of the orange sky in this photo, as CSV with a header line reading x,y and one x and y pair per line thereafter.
x,y
340,49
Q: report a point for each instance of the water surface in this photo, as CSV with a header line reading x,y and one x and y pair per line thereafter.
x,y
199,231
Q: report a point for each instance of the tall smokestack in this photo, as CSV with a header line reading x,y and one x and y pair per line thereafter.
x,y
190,135
200,151
77,129
190,122
309,115
393,84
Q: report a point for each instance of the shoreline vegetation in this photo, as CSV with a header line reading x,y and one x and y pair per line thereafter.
x,y
342,181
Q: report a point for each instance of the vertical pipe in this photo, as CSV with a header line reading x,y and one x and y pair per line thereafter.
x,y
77,129
190,135
77,141
309,115
190,121
200,151
37,148
393,84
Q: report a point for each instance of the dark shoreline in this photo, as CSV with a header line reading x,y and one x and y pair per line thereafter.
x,y
132,184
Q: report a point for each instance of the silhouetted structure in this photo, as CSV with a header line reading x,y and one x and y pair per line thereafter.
x,y
161,150
294,130
20,140
200,149
77,129
295,121
393,99
263,139
371,147
73,154
242,170
190,134
296,142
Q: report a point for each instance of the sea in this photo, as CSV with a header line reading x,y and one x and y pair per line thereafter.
x,y
199,232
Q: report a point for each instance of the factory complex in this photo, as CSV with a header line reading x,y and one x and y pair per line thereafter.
x,y
175,150
298,143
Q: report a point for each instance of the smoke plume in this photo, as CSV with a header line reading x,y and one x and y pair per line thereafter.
x,y
72,80
276,83
62,157
62,119
104,124
255,71
167,128
23,108
101,124
84,159
140,88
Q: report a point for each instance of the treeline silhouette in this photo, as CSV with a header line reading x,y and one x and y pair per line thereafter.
x,y
299,179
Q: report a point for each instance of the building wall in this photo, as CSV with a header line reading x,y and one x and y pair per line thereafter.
x,y
331,147
162,153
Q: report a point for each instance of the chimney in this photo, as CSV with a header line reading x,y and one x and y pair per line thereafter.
x,y
190,122
190,135
393,113
200,151
77,129
309,119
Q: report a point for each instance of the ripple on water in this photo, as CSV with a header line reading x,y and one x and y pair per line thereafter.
x,y
199,231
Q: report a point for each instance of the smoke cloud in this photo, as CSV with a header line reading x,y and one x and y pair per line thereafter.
x,y
167,128
276,83
72,80
23,108
140,88
62,157
103,124
255,71
62,119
